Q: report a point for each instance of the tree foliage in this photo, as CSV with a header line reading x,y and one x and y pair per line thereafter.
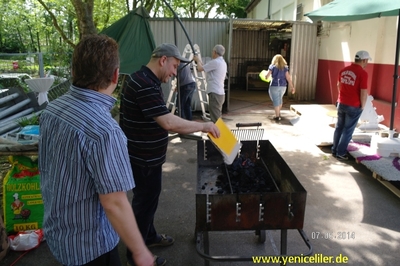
x,y
236,7
53,26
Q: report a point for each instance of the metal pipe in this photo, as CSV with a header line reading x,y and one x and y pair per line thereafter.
x,y
395,76
270,175
229,178
183,28
17,115
4,135
12,125
8,98
8,127
14,108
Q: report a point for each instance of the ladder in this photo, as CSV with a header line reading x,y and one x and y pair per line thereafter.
x,y
201,84
172,97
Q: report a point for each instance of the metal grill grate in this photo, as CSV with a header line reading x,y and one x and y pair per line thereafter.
x,y
250,133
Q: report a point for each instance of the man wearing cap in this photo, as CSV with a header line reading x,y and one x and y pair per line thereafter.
x,y
216,73
145,120
352,87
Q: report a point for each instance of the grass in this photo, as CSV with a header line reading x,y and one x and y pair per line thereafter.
x,y
24,121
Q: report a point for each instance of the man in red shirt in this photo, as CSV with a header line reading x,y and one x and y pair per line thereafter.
x,y
352,87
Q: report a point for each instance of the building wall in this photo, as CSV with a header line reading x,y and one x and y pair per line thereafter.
x,y
304,50
283,9
206,33
261,12
338,43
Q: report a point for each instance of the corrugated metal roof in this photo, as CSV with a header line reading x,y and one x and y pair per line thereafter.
x,y
270,25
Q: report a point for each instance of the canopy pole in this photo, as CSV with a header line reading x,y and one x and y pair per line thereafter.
x,y
180,22
176,43
395,76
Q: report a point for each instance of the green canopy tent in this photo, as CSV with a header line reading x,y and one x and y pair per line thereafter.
x,y
135,39
352,10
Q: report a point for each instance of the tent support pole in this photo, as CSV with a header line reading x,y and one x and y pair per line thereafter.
x,y
180,22
395,76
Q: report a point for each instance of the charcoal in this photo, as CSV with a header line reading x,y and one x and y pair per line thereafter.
x,y
246,176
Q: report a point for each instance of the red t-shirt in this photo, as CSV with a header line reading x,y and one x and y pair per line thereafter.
x,y
352,80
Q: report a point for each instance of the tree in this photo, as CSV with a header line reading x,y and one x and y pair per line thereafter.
x,y
53,25
84,16
190,8
228,7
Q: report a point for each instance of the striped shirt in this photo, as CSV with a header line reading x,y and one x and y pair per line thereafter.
x,y
142,100
82,153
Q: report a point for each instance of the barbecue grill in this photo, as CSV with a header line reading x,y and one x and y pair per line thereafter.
x,y
234,205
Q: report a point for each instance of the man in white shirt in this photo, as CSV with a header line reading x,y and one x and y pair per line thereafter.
x,y
215,77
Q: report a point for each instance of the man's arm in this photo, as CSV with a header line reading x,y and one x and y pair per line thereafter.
x,y
176,124
120,214
199,63
363,97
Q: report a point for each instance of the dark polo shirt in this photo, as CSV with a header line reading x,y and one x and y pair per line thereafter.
x,y
142,100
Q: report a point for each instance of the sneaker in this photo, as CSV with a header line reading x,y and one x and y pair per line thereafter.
x,y
342,157
277,118
158,261
163,242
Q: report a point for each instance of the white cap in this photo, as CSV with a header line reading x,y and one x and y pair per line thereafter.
x,y
360,55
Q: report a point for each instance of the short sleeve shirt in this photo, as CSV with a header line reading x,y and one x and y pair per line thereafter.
x,y
278,76
141,101
352,80
215,75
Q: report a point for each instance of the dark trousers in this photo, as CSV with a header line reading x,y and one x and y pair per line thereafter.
x,y
185,98
145,200
110,258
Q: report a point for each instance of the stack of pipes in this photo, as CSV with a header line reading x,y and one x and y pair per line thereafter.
x,y
16,105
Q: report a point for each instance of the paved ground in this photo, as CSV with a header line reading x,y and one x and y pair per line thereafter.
x,y
348,213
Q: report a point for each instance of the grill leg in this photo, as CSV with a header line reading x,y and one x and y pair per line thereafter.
x,y
206,247
283,241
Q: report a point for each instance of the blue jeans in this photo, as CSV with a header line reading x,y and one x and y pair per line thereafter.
x,y
145,201
185,97
347,120
276,94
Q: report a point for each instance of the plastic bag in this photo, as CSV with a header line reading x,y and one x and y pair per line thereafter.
x,y
263,74
26,240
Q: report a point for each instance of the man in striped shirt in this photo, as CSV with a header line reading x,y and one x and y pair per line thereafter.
x,y
146,120
84,166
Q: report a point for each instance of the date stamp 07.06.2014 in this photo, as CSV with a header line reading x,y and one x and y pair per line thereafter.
x,y
342,235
